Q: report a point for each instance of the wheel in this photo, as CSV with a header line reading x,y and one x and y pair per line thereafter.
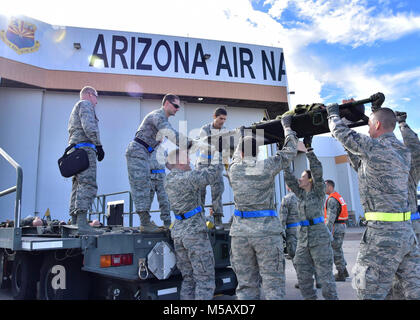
x,y
5,269
63,279
25,275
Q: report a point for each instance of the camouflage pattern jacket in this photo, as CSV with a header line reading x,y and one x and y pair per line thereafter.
x,y
310,204
252,183
382,164
206,155
155,126
289,210
83,124
412,142
333,211
183,188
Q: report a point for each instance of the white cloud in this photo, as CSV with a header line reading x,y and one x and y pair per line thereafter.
x,y
348,22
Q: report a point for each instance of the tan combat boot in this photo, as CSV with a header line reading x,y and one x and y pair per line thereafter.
x,y
146,225
83,228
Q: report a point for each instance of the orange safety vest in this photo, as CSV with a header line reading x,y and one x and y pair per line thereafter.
x,y
344,214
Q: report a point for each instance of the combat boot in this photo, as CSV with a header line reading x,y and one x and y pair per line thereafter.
x,y
346,273
83,228
340,276
146,225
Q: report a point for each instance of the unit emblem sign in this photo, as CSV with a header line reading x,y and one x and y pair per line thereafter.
x,y
20,36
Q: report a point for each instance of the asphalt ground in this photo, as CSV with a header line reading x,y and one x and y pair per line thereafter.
x,y
344,289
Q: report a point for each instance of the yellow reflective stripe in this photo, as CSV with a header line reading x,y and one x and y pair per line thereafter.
x,y
387,216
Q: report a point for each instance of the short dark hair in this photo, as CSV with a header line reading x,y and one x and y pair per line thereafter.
x,y
169,97
330,182
309,173
387,117
220,111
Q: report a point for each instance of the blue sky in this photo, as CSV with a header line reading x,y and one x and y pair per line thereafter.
x,y
333,49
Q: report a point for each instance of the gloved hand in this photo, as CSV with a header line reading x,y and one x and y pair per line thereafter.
x,y
401,116
307,141
286,121
100,154
378,100
333,109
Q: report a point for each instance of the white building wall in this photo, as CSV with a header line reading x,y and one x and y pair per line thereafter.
x,y
20,116
34,120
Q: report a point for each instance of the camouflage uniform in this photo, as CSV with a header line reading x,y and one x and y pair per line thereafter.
x,y
411,141
289,216
387,249
204,159
313,252
194,253
157,176
83,127
154,127
338,231
256,243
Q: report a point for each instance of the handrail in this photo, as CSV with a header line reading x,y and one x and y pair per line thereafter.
x,y
102,203
17,188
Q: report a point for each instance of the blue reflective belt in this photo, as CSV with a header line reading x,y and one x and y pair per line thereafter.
x,y
311,222
255,214
291,225
188,214
85,144
415,216
205,156
158,171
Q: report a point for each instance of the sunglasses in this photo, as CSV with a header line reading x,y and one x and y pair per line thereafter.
x,y
175,105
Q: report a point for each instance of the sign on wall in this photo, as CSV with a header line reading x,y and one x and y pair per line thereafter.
x,y
55,48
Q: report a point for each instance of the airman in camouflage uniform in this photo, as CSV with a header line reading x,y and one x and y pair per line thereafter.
x,y
338,231
389,246
84,133
256,231
194,253
206,157
314,251
412,142
289,218
157,179
154,127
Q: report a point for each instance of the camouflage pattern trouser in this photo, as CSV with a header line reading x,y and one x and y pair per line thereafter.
x,y
396,292
416,227
158,188
337,245
84,186
195,261
138,167
316,257
256,259
216,191
388,251
386,254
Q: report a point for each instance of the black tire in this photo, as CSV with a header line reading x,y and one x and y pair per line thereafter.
x,y
67,282
25,275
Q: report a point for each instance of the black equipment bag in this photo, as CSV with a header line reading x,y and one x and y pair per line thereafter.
x,y
74,162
